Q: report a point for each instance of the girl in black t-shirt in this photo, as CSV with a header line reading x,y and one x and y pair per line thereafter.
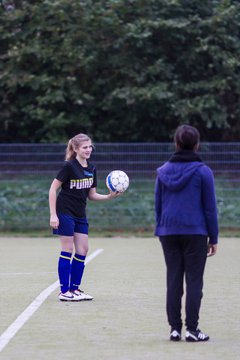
x,y
78,181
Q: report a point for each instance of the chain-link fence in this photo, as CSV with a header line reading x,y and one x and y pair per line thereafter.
x,y
26,171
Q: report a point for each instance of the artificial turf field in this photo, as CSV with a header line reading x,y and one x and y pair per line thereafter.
x,y
126,320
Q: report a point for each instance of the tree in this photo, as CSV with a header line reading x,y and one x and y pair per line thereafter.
x,y
120,70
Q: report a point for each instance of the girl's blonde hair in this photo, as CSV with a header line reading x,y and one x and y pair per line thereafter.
x,y
75,143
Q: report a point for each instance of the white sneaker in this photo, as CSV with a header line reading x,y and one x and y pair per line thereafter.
x,y
81,295
68,296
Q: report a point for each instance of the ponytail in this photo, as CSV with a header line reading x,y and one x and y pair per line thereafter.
x,y
70,153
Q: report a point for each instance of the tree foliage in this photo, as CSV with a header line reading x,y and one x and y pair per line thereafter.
x,y
120,70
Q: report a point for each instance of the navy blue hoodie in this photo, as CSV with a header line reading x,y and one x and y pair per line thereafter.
x,y
185,201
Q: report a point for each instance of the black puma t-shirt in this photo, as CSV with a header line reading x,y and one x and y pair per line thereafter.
x,y
76,183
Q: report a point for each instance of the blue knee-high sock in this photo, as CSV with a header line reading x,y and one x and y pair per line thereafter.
x,y
77,271
64,270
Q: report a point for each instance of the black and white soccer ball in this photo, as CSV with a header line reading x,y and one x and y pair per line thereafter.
x,y
117,180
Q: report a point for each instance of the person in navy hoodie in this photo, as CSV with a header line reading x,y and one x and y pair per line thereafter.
x,y
187,226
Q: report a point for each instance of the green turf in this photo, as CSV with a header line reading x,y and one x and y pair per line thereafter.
x,y
25,207
126,320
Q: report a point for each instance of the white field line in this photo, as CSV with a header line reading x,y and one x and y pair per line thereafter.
x,y
11,331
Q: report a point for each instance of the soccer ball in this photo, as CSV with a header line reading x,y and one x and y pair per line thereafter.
x,y
117,180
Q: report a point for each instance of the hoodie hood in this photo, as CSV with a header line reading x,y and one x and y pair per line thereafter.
x,y
175,175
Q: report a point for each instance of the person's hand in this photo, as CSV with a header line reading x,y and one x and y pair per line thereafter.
x,y
54,221
114,194
212,249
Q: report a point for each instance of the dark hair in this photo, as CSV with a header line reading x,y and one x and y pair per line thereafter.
x,y
186,137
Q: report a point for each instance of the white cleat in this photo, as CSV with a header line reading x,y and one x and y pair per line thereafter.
x,y
68,296
81,295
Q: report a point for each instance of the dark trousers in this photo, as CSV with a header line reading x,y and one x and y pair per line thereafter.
x,y
185,255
